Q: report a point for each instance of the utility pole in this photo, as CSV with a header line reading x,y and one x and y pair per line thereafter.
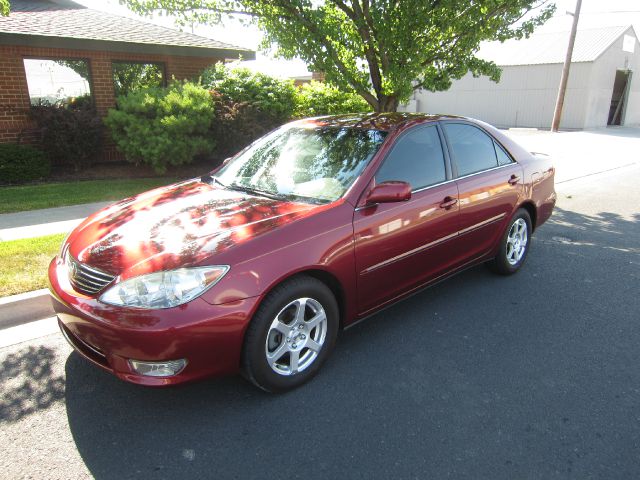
x,y
557,114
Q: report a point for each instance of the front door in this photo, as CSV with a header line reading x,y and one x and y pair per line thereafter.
x,y
402,245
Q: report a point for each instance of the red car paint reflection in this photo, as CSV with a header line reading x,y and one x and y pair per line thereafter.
x,y
369,255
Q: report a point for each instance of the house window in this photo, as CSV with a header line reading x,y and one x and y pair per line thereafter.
x,y
57,82
131,76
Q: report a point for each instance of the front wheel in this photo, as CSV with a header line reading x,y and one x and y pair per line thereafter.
x,y
291,335
514,245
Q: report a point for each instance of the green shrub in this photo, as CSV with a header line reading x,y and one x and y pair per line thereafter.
x,y
318,98
71,133
272,97
22,163
163,126
237,124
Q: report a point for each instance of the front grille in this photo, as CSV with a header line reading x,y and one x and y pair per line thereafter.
x,y
86,279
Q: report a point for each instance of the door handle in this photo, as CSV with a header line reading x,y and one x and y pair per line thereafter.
x,y
448,202
513,179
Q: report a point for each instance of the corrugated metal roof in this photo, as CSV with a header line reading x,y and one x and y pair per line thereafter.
x,y
71,20
551,47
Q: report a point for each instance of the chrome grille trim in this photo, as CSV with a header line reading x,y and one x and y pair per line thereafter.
x,y
89,273
86,279
79,282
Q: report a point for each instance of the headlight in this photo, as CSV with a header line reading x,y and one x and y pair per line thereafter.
x,y
164,289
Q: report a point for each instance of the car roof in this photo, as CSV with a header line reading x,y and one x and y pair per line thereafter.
x,y
374,121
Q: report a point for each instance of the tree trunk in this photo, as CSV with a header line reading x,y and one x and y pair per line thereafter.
x,y
387,103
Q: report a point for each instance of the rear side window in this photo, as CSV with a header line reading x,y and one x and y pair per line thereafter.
x,y
472,149
416,158
503,157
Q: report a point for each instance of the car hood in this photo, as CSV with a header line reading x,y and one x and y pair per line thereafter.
x,y
175,226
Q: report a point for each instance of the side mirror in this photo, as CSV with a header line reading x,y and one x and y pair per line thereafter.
x,y
387,192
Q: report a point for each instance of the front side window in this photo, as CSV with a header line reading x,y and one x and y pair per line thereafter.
x,y
132,76
316,164
57,82
416,158
472,149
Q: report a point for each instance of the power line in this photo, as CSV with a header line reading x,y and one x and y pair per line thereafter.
x,y
610,11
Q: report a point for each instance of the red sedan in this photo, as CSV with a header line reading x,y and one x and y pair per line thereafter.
x,y
258,266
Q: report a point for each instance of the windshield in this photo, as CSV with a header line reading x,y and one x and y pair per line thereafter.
x,y
315,164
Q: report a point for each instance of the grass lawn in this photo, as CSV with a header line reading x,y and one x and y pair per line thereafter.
x,y
24,263
33,197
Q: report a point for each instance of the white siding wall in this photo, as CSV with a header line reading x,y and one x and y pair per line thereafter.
x,y
601,85
524,97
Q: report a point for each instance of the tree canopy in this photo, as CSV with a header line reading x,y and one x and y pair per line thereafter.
x,y
382,50
4,8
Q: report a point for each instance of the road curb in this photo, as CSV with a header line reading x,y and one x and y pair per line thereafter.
x,y
25,308
30,331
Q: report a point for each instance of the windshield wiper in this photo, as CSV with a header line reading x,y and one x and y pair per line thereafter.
x,y
210,179
255,191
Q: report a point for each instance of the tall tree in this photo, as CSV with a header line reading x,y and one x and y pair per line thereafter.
x,y
4,8
381,49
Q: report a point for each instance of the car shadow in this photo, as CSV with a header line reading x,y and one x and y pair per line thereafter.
x,y
480,376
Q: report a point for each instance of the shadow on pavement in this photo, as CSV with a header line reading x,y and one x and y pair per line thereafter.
x,y
629,132
28,383
481,376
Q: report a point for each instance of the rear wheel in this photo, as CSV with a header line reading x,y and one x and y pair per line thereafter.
x,y
514,245
291,335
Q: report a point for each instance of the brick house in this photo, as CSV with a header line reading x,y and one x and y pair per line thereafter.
x,y
42,43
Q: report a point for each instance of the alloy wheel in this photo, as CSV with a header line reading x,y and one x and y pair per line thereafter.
x,y
296,336
517,241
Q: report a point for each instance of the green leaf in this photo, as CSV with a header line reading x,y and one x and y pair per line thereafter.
x,y
380,50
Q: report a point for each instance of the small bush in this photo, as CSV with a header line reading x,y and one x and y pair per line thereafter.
x,y
272,97
237,124
163,126
22,163
250,104
317,98
71,132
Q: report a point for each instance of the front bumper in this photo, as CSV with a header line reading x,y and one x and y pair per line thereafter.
x,y
209,336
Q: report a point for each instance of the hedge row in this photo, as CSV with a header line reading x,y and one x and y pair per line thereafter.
x,y
22,163
225,111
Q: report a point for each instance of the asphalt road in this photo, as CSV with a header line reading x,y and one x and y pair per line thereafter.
x,y
536,376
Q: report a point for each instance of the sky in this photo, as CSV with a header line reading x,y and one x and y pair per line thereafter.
x,y
594,13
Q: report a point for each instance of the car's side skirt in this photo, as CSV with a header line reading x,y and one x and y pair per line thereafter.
x,y
417,289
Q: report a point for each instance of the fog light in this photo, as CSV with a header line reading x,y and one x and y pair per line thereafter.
x,y
158,369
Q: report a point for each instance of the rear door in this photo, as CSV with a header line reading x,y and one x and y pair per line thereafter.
x,y
489,183
402,245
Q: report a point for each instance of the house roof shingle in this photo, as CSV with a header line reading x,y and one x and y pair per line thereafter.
x,y
551,47
64,19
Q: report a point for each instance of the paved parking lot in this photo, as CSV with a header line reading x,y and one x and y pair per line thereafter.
x,y
533,376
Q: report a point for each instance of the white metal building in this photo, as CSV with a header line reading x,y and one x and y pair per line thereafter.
x,y
603,87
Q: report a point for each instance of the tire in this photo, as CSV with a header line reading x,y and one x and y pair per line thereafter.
x,y
514,245
283,348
